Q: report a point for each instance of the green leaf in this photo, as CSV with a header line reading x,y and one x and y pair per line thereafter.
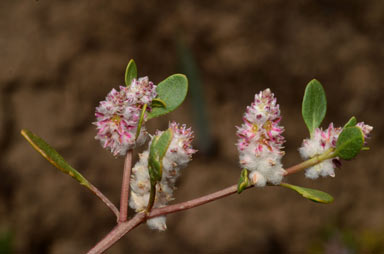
x,y
141,119
157,151
349,143
54,157
311,194
314,105
157,103
243,181
351,122
172,91
130,72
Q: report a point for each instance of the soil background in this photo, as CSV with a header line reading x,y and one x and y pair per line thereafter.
x,y
58,59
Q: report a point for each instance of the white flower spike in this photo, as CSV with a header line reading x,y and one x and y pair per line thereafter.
x,y
260,141
178,155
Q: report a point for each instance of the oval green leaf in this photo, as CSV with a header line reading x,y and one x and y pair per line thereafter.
x,y
172,91
243,181
130,72
157,151
349,143
314,105
54,157
351,122
311,194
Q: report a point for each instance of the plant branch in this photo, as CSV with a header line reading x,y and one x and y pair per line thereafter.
x,y
119,231
124,227
103,198
124,198
311,162
194,202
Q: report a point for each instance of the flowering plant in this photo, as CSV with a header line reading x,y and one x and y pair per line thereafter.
x,y
148,186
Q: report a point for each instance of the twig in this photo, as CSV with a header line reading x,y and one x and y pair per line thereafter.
x,y
106,201
119,231
124,198
124,227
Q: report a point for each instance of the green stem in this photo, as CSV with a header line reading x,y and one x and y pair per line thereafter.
x,y
311,162
152,195
141,120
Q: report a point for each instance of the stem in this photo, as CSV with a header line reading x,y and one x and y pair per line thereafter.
x,y
140,121
119,231
106,201
311,162
124,198
124,227
152,195
194,202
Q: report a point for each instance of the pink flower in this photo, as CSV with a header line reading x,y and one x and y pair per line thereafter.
x,y
118,115
260,140
142,91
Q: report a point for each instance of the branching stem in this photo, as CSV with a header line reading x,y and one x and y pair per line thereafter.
x,y
124,227
124,198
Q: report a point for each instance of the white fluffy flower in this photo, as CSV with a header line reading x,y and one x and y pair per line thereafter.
x,y
178,155
260,140
321,142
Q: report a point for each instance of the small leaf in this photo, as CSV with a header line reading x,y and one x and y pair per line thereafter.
x,y
311,194
172,91
54,157
314,105
351,122
349,143
157,151
130,72
243,181
157,103
140,121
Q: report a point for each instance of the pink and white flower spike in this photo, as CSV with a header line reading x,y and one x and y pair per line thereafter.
x,y
260,141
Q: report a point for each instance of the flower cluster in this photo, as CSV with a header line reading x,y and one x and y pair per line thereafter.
x,y
321,142
118,115
260,140
178,155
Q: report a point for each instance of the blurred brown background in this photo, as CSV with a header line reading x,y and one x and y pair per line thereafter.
x,y
58,59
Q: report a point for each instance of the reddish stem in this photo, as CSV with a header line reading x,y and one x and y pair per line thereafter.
x,y
103,198
124,227
119,231
194,202
124,198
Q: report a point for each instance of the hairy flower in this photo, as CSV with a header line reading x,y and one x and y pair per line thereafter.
x,y
321,142
178,155
260,141
366,129
118,115
141,91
